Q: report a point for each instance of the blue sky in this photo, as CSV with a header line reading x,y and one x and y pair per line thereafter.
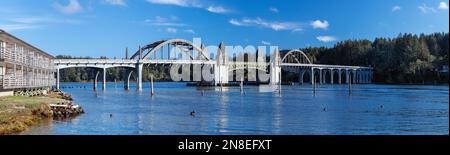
x,y
106,27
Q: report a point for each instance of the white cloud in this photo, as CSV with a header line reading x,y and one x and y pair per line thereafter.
x,y
32,22
217,9
192,4
14,27
171,30
162,21
265,43
443,6
297,30
277,26
236,22
396,8
43,20
71,8
326,38
317,24
274,10
189,31
425,9
116,2
182,3
170,24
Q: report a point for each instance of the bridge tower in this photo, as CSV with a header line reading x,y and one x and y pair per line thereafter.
x,y
275,67
221,66
126,53
139,66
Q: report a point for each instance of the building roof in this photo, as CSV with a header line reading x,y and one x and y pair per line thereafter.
x,y
12,36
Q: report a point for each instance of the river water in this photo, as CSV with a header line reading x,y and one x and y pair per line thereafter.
x,y
371,109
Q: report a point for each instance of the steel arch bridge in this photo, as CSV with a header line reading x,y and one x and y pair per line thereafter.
x,y
180,52
173,46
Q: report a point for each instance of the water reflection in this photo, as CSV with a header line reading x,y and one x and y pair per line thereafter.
x,y
222,122
277,115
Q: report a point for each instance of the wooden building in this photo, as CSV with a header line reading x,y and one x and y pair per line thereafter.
x,y
22,66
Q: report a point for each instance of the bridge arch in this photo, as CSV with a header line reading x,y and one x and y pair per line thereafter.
x,y
296,56
306,76
183,45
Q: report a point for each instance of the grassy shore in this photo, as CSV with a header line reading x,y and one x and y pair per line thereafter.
x,y
18,113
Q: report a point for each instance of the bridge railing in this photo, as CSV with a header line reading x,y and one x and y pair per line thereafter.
x,y
126,61
325,66
153,61
93,61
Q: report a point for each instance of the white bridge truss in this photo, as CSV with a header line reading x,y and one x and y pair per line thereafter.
x,y
181,52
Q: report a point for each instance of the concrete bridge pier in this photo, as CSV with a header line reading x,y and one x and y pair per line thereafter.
x,y
365,76
221,66
339,76
300,77
361,76
320,76
126,84
358,76
221,74
57,78
347,76
331,75
275,68
312,76
95,80
139,76
275,75
104,79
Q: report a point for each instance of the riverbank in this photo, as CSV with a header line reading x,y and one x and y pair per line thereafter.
x,y
18,113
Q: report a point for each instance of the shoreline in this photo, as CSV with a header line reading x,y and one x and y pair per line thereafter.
x,y
19,113
381,83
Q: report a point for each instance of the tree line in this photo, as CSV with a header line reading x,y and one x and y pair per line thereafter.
x,y
407,58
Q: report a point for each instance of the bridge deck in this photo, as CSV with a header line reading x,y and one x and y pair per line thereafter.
x,y
62,63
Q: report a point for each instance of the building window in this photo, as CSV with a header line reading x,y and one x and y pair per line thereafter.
x,y
2,46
